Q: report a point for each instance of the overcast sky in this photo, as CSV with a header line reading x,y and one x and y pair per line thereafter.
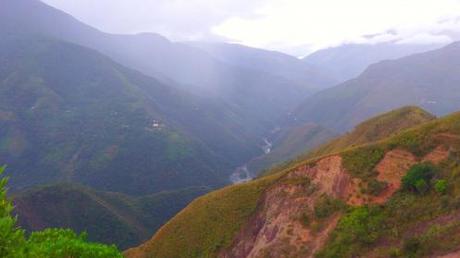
x,y
293,26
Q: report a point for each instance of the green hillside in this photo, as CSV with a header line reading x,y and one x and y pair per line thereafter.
x,y
404,208
371,130
429,80
68,113
289,144
375,129
107,217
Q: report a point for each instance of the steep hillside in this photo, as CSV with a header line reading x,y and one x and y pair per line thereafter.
x,y
355,202
369,131
350,60
290,143
375,129
259,97
429,80
107,217
272,62
70,113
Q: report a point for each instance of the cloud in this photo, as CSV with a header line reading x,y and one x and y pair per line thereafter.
x,y
177,19
333,22
293,26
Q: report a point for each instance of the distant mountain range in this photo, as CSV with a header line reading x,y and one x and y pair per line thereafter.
x,y
260,95
114,134
350,60
429,80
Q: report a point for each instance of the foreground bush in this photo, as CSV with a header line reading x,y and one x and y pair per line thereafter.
x,y
52,243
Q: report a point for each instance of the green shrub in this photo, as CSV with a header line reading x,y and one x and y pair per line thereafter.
x,y
56,243
376,187
358,229
441,186
417,177
326,206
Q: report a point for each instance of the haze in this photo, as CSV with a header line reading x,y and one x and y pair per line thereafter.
x,y
293,26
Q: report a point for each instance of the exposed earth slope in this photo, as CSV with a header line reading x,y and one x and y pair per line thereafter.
x,y
394,197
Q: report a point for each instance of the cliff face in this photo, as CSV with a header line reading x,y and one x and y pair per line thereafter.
x,y
287,224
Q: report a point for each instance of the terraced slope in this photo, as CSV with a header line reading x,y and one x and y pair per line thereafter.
x,y
342,205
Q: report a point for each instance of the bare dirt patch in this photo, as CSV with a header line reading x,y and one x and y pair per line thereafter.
x,y
391,169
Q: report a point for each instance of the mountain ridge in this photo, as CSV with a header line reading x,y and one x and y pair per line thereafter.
x,y
277,224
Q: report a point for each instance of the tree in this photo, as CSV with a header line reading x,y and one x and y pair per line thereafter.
x,y
56,243
11,237
418,177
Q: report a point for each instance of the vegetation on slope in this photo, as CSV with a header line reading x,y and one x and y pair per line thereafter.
x,y
429,80
289,144
372,130
68,113
413,223
208,224
107,217
201,232
56,243
376,128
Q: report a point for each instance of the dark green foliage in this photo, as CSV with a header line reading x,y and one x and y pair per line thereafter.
x,y
110,218
357,229
11,237
422,186
327,206
375,187
441,186
56,243
418,178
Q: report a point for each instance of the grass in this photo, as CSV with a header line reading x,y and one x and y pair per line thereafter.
x,y
368,132
409,225
209,223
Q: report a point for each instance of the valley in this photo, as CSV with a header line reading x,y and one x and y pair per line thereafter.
x,y
141,144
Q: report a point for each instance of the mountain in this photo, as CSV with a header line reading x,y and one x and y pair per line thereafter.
x,y
290,143
107,217
258,96
393,197
272,62
429,80
350,60
376,128
371,130
68,113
